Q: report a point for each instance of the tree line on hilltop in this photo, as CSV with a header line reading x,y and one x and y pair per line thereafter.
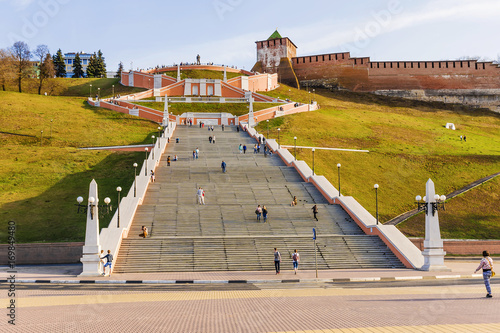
x,y
18,62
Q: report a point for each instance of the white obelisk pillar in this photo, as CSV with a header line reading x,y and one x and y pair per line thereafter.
x,y
92,248
178,73
433,244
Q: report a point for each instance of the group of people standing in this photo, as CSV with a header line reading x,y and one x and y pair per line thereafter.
x,y
261,211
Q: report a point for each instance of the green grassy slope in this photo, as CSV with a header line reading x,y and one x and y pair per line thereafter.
x,y
40,182
75,87
408,144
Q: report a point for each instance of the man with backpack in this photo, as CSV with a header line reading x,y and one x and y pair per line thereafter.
x,y
296,259
277,260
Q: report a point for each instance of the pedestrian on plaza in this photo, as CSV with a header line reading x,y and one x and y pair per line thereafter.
x,y
237,129
258,148
168,161
260,140
296,259
465,138
152,176
210,139
258,211
294,201
315,211
212,128
223,166
213,139
277,260
197,152
264,213
200,196
265,151
222,127
194,154
244,149
240,148
255,149
487,265
109,261
175,157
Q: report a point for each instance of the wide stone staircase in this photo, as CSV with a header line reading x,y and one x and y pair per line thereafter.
x,y
224,234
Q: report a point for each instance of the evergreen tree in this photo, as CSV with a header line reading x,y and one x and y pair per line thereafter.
x,y
77,67
92,66
120,70
101,65
59,65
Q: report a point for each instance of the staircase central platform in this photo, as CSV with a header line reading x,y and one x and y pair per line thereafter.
x,y
224,234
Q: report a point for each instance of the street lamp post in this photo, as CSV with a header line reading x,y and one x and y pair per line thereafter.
x,y
135,180
310,102
295,147
313,159
118,189
146,165
41,138
338,168
99,94
154,146
314,94
113,91
267,121
51,120
279,129
159,131
376,199
90,91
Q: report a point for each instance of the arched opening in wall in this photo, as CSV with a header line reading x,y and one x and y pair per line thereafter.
x,y
195,91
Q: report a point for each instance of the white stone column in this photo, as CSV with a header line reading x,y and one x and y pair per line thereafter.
x,y
178,73
92,249
165,114
251,121
225,75
433,244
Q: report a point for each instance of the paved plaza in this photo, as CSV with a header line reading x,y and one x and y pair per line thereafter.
x,y
397,306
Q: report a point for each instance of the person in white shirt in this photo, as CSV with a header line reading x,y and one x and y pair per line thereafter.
x,y
487,265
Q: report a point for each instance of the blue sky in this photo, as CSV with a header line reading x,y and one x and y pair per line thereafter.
x,y
150,33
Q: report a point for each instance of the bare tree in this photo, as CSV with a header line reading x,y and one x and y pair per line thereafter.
x,y
22,56
45,66
7,67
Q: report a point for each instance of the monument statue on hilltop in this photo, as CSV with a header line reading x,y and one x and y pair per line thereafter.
x,y
198,60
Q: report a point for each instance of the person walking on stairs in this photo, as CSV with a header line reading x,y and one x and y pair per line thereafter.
x,y
277,260
296,259
258,211
200,194
315,211
487,265
264,213
223,166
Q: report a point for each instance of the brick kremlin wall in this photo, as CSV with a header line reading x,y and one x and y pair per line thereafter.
x,y
360,74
